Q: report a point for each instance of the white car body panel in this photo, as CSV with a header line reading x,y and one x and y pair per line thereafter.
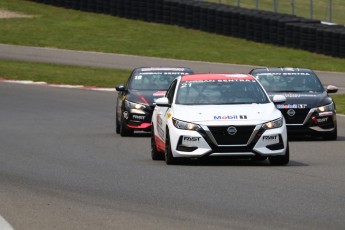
x,y
208,116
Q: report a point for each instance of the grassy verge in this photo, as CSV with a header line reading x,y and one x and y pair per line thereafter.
x,y
340,102
74,75
62,74
69,29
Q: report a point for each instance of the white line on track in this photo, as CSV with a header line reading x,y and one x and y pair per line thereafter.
x,y
4,225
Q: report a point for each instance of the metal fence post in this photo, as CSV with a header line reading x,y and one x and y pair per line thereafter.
x,y
330,10
275,6
311,9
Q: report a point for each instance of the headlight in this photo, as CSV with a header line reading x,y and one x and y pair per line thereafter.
x,y
185,125
325,108
273,124
133,105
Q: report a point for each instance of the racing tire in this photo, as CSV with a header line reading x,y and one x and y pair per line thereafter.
x,y
124,131
169,158
331,136
155,154
280,160
117,126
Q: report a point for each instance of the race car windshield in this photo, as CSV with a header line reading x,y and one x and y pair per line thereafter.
x,y
154,80
213,92
290,82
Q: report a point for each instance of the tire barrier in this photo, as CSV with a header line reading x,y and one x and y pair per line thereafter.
x,y
255,25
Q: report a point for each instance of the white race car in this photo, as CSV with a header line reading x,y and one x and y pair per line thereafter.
x,y
209,115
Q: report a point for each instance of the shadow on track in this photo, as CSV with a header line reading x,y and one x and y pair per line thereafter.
x,y
229,161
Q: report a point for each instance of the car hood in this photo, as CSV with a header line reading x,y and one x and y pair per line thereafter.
x,y
303,99
145,96
249,114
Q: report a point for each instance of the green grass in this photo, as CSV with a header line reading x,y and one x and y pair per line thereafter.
x,y
340,102
302,8
69,29
65,74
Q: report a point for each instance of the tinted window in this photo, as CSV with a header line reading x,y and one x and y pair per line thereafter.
x,y
215,92
290,82
155,80
171,91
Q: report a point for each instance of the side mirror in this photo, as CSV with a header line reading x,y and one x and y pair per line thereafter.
x,y
332,89
162,102
120,88
277,99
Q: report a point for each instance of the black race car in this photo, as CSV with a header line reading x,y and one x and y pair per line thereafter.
x,y
136,99
308,109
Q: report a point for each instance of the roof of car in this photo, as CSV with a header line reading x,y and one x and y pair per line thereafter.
x,y
216,76
280,70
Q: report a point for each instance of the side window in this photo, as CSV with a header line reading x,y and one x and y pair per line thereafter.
x,y
171,91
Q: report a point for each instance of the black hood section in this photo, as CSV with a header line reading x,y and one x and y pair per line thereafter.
x,y
311,100
144,96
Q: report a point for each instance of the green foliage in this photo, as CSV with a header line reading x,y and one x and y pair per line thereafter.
x,y
62,74
339,102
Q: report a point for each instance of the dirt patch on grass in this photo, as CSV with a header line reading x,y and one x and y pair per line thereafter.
x,y
11,14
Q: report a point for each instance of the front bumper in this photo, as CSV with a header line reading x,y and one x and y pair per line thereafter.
x,y
137,119
315,124
203,143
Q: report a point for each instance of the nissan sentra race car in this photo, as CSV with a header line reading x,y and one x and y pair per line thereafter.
x,y
209,115
308,109
136,98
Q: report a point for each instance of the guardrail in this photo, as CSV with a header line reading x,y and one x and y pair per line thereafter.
x,y
256,25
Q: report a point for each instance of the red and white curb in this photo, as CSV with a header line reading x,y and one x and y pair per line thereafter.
x,y
4,225
41,83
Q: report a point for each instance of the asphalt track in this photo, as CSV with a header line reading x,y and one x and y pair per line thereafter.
x,y
63,167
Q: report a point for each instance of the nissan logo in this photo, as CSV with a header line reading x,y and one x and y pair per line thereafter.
x,y
291,112
231,130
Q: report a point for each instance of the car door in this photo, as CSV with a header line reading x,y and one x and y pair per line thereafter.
x,y
163,112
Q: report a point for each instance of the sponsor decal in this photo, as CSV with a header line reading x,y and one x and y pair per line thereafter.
x,y
319,120
230,117
295,95
160,132
159,93
191,139
269,137
169,115
138,117
159,120
142,98
284,74
292,106
272,139
162,69
123,98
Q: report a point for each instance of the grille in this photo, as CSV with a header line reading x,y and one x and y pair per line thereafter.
x,y
298,118
223,138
